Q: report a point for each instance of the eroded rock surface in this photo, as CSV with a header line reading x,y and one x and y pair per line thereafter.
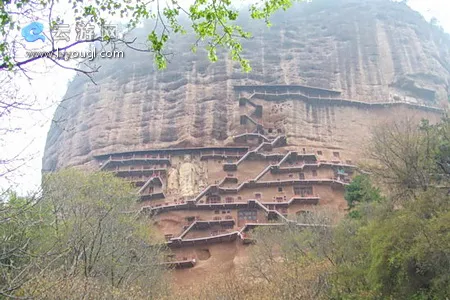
x,y
372,51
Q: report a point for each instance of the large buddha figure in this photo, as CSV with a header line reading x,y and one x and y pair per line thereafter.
x,y
188,178
172,181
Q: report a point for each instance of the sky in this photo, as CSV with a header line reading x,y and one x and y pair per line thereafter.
x,y
48,88
440,9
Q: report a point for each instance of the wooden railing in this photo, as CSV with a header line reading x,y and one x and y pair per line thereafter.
x,y
345,101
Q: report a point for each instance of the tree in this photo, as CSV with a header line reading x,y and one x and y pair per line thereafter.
x,y
404,157
292,261
361,190
394,251
442,152
20,222
85,241
409,257
213,22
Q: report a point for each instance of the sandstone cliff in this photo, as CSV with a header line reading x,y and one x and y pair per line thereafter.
x,y
372,51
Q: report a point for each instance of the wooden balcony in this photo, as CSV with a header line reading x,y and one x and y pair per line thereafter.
x,y
221,238
152,196
125,172
180,264
117,162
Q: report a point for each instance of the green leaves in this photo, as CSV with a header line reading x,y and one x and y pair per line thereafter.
x,y
157,44
399,253
399,250
212,53
361,190
212,21
265,9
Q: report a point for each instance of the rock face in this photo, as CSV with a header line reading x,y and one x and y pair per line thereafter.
x,y
372,51
215,152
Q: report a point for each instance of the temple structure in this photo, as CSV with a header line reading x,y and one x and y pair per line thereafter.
x,y
208,196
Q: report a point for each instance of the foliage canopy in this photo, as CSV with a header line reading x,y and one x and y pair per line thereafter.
x,y
79,235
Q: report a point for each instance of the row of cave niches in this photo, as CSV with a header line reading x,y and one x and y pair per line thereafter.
x,y
239,215
140,168
251,113
155,191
